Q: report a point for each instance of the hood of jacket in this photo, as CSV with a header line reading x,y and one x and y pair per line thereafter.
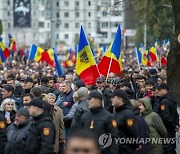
x,y
147,104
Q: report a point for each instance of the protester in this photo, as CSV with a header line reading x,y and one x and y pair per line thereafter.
x,y
157,129
17,132
40,138
9,108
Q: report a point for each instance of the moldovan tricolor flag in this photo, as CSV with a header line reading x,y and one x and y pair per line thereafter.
x,y
112,60
5,50
12,43
85,64
153,54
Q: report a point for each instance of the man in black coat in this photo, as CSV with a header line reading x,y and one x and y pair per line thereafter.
x,y
100,121
126,121
41,135
17,132
3,132
168,113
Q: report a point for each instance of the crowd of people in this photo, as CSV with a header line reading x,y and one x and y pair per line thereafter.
x,y
42,113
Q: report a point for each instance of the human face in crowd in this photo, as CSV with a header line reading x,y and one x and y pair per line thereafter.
x,y
162,92
28,85
51,84
117,101
141,107
135,75
51,100
163,72
66,88
141,83
9,106
81,146
93,103
159,81
149,87
26,99
20,119
60,80
11,82
6,93
99,84
33,111
61,87
111,75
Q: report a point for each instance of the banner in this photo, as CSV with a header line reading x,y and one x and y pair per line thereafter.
x,y
22,13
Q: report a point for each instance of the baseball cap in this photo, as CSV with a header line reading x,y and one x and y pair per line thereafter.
x,y
8,88
38,103
120,93
153,71
28,79
96,94
162,86
23,111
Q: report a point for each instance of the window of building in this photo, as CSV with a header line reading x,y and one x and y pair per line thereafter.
x,y
48,25
9,25
89,14
66,14
66,36
89,25
8,2
57,14
66,3
66,25
41,24
104,35
57,3
57,36
104,24
89,3
57,25
9,13
76,25
104,13
76,3
76,14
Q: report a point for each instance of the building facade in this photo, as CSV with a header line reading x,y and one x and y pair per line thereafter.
x,y
99,18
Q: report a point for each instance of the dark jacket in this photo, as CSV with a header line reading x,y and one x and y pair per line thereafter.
x,y
41,135
16,136
80,109
3,132
100,122
127,127
55,91
168,112
12,116
143,131
130,93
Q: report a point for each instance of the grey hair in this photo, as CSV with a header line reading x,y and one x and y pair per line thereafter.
x,y
6,101
52,95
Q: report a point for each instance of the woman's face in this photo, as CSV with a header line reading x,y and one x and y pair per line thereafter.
x,y
141,107
9,106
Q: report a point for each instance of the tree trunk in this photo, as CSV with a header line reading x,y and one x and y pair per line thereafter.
x,y
173,67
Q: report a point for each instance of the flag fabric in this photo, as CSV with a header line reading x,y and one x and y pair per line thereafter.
x,y
85,64
5,50
57,65
145,56
139,56
12,43
2,58
163,61
35,53
112,59
153,54
70,59
48,57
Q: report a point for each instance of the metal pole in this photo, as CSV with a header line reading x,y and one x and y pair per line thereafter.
x,y
145,27
53,23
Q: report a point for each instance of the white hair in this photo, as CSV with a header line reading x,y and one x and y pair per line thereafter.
x,y
6,101
52,95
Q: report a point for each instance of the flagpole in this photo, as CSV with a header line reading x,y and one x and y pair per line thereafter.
x,y
109,67
29,55
137,59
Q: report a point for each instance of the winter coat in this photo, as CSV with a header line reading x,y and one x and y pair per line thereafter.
x,y
3,132
16,136
157,128
59,127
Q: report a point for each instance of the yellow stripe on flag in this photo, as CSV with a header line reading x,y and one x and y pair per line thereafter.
x,y
38,54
